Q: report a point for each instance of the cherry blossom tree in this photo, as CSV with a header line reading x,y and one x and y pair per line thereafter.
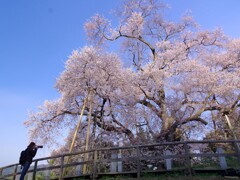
x,y
178,75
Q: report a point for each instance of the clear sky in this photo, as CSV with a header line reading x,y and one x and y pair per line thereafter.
x,y
37,36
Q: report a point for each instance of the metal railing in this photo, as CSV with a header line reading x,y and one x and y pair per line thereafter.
x,y
188,157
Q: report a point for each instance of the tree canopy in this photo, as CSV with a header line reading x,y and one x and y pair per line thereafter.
x,y
179,78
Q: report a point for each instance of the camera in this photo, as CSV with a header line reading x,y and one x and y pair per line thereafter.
x,y
39,146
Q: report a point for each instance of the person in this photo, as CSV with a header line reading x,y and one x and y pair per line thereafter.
x,y
31,151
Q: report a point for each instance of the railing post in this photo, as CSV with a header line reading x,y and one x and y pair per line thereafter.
x,y
1,170
34,170
238,152
61,168
48,174
138,164
15,172
94,164
187,159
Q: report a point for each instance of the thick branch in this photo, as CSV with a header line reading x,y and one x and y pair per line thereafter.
x,y
60,114
150,106
133,37
194,119
110,127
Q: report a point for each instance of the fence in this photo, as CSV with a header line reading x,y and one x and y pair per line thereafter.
x,y
188,157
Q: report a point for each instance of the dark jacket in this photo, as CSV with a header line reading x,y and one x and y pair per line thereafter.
x,y
31,152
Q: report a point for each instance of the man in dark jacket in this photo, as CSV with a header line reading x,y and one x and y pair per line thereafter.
x,y
30,153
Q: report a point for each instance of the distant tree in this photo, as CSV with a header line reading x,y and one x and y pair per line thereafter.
x,y
178,75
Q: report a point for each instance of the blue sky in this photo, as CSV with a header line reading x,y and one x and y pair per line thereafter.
x,y
37,36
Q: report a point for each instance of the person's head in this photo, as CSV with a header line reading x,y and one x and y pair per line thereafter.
x,y
32,145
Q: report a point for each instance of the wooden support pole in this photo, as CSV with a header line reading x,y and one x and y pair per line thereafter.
x,y
88,131
232,131
77,128
79,123
235,138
